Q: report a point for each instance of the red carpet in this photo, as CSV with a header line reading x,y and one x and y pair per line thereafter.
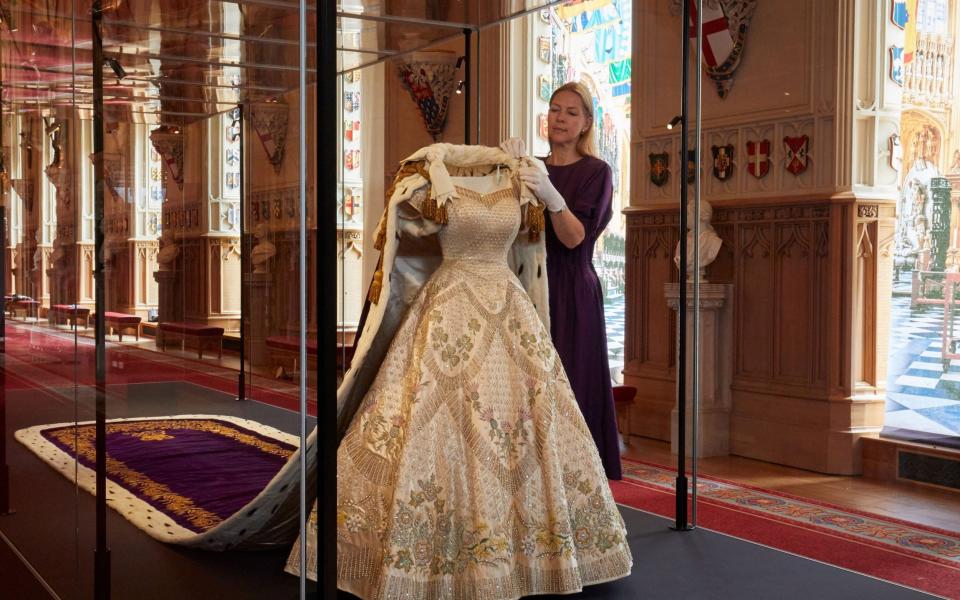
x,y
920,557
46,360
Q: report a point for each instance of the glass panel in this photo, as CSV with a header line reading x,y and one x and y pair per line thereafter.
x,y
48,380
921,396
369,32
196,157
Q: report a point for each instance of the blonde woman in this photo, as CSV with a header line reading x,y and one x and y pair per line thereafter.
x,y
578,195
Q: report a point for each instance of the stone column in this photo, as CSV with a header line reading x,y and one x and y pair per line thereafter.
x,y
716,368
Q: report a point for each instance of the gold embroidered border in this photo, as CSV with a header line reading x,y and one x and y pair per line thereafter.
x,y
172,502
523,580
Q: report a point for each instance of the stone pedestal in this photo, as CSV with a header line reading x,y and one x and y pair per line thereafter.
x,y
258,319
170,306
716,368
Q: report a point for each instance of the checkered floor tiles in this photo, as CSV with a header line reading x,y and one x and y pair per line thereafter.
x,y
923,393
614,309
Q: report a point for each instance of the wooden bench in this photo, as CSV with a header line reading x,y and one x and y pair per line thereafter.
x,y
69,313
285,352
202,335
118,322
28,306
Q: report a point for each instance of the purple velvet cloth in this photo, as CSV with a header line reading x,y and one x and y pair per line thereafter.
x,y
216,465
576,302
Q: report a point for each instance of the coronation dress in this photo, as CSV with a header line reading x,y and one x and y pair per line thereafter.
x,y
468,471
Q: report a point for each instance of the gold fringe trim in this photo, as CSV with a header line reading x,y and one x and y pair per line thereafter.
x,y
429,209
434,211
441,216
535,220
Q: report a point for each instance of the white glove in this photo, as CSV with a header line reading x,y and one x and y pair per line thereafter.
x,y
539,183
514,147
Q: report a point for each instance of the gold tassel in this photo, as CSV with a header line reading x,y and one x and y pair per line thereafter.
x,y
535,221
373,295
381,240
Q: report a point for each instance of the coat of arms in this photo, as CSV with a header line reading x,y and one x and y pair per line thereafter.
x,y
898,13
896,152
725,24
758,158
430,78
691,166
722,161
351,203
896,64
659,168
797,149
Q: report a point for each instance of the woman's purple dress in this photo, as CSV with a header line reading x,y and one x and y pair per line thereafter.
x,y
576,302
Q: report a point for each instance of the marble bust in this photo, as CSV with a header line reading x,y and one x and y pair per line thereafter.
x,y
710,242
168,250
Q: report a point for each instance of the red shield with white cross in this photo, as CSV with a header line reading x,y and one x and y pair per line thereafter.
x,y
718,43
758,158
797,158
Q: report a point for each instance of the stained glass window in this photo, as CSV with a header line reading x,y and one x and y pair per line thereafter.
x,y
231,153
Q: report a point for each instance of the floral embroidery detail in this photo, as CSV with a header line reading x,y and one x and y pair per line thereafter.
x,y
507,436
428,540
459,351
595,528
532,343
351,517
384,436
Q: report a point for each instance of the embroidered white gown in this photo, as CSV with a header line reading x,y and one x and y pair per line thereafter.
x,y
468,471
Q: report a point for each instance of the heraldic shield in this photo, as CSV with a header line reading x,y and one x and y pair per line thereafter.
x,y
659,168
758,158
723,166
797,153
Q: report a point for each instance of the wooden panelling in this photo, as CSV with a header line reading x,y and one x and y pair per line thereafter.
x,y
788,262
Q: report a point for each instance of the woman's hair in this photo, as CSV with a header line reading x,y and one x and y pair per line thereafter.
x,y
587,144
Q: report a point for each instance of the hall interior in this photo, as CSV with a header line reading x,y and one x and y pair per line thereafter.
x,y
825,374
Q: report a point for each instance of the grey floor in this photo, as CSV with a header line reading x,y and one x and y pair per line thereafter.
x,y
705,564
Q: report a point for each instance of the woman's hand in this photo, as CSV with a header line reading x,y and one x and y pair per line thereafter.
x,y
539,183
514,147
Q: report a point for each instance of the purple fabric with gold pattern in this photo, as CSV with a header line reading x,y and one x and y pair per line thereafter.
x,y
197,471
